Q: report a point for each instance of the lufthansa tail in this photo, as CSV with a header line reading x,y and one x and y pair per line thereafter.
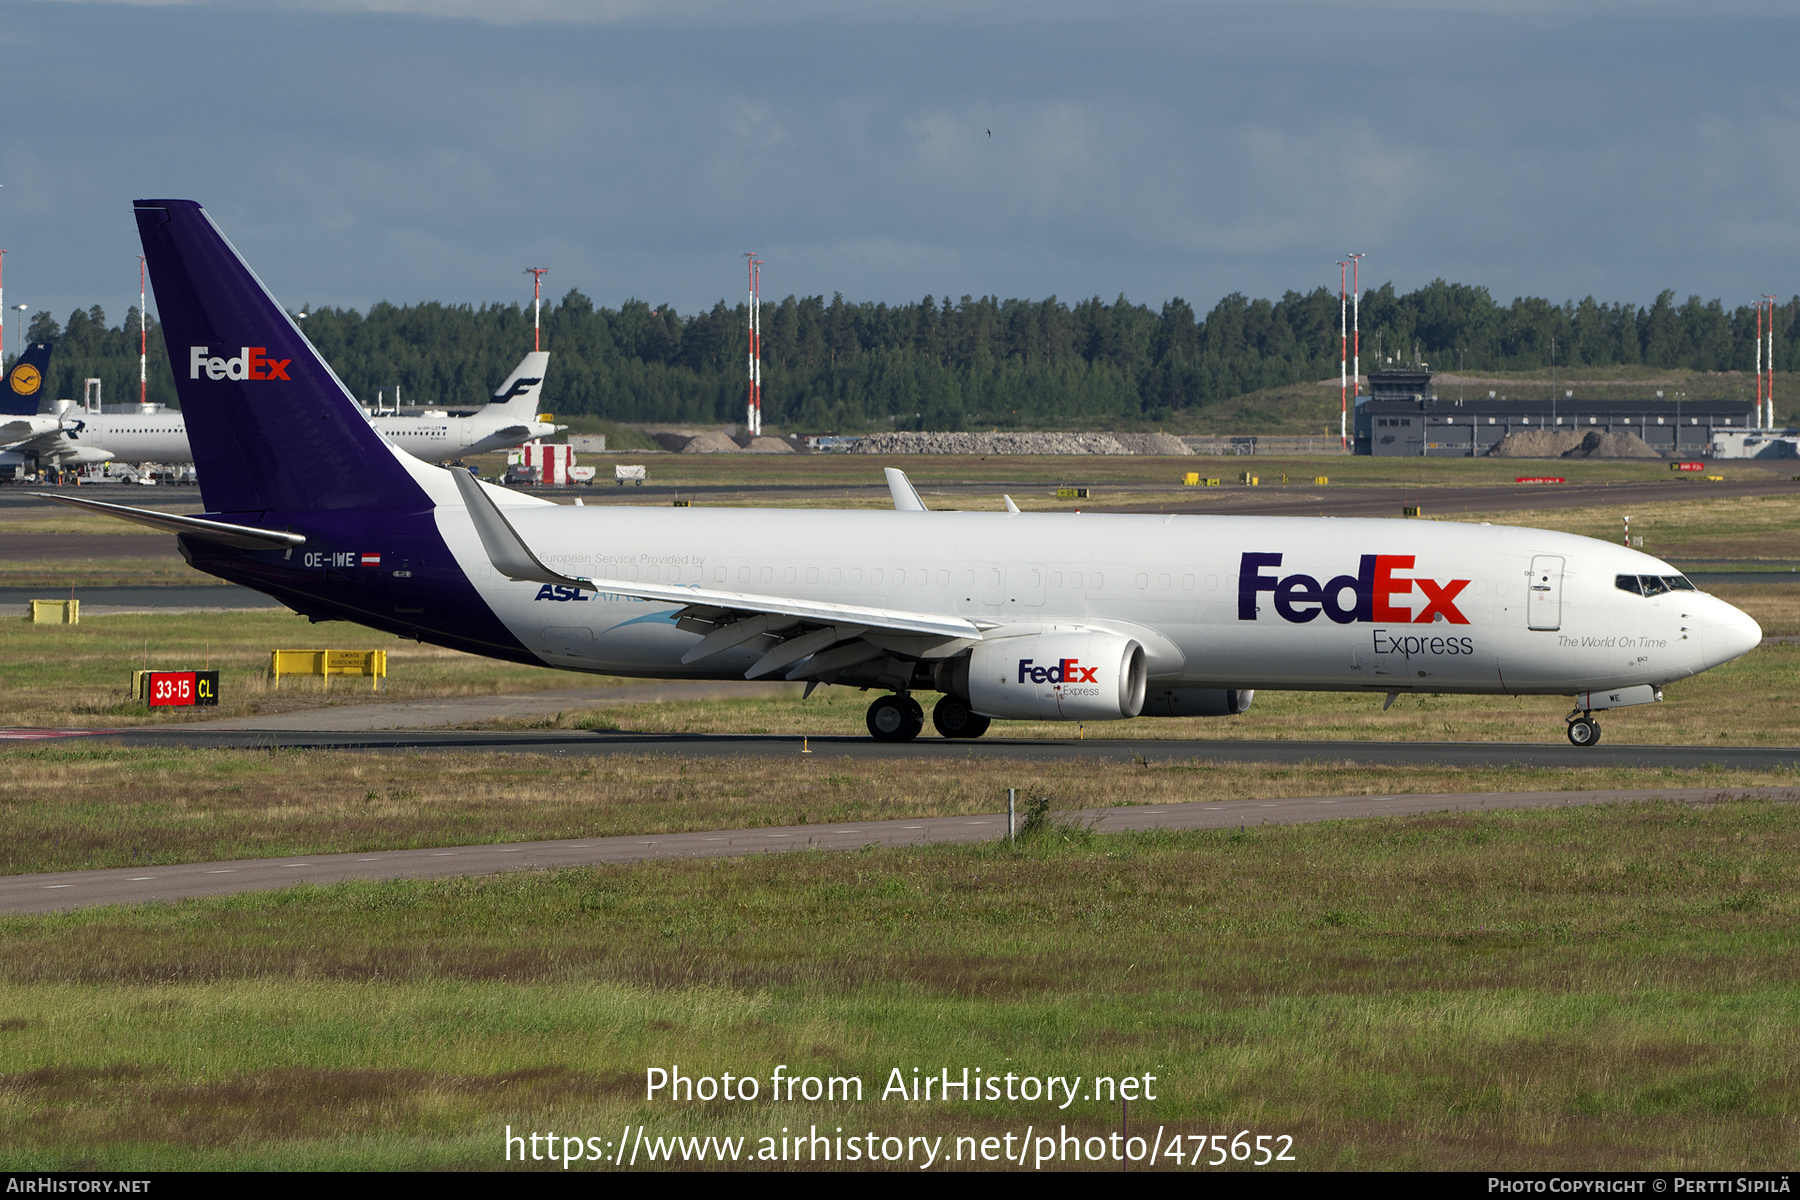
x,y
25,382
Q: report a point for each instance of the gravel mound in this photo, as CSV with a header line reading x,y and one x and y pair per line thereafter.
x,y
1152,443
711,443
1612,445
768,445
1019,443
1572,443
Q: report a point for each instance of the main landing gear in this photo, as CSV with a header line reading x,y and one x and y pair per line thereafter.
x,y
1584,730
895,718
954,719
898,718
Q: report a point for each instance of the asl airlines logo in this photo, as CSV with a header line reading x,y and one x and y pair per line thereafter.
x,y
1068,670
252,362
1366,596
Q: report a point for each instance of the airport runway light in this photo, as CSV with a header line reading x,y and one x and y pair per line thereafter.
x,y
537,302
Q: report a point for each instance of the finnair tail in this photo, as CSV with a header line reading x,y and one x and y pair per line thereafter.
x,y
519,396
271,426
25,382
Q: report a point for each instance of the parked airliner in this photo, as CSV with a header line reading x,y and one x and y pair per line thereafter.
x,y
1009,615
78,438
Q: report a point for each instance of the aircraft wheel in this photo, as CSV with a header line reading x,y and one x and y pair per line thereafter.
x,y
1584,731
953,719
895,719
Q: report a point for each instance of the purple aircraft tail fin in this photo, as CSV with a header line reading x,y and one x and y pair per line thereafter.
x,y
271,426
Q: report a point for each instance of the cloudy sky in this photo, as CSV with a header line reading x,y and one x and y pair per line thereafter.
x,y
406,150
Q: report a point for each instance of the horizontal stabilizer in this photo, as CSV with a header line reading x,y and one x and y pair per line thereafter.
x,y
505,548
243,537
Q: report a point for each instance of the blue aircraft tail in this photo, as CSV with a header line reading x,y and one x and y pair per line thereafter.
x,y
271,426
25,382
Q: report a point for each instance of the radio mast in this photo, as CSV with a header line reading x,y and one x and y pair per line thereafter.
x,y
1356,324
143,341
537,303
753,407
1343,362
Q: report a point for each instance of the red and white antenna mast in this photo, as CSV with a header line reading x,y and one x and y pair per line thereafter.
x,y
753,408
1760,305
1771,395
537,302
1343,362
1356,324
143,340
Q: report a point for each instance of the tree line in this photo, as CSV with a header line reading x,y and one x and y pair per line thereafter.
x,y
943,364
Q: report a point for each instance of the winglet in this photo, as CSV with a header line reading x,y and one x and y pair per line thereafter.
x,y
1010,506
906,497
505,548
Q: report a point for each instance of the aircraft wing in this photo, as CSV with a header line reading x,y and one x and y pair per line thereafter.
x,y
34,434
800,628
244,537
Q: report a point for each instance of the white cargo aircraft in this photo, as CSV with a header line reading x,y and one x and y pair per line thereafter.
x,y
1009,615
78,438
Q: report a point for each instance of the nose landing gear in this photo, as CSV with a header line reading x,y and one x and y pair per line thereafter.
x,y
1584,730
896,718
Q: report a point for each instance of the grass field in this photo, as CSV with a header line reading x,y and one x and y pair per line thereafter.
x,y
1592,988
62,675
75,807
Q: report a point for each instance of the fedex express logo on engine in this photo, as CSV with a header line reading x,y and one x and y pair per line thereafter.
x,y
252,362
1366,596
1068,670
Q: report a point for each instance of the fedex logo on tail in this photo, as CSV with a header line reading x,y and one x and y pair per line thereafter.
x,y
1068,670
252,362
1366,596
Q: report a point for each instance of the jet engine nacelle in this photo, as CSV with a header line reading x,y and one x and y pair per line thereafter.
x,y
1198,702
1058,677
80,456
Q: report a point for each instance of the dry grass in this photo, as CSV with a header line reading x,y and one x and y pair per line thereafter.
x,y
1581,989
1743,528
80,675
71,808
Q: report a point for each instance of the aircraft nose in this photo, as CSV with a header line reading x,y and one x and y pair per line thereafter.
x,y
1730,632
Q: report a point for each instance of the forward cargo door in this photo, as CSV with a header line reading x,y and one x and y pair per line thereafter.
x,y
1543,598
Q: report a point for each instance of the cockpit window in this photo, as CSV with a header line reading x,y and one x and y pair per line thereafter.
x,y
1653,585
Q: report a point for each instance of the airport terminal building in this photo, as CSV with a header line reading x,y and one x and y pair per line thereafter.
x,y
1401,417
